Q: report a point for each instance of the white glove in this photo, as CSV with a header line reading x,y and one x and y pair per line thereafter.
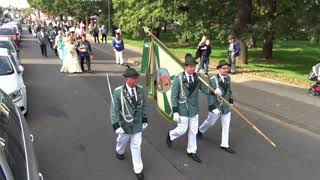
x,y
216,111
119,130
144,126
218,92
176,117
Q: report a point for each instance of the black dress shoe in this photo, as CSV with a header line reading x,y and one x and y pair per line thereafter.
x,y
140,176
194,157
119,156
169,142
228,149
199,135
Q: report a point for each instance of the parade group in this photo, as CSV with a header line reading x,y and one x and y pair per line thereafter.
x,y
70,43
128,111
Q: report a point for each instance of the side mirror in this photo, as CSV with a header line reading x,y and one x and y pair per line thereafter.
x,y
21,69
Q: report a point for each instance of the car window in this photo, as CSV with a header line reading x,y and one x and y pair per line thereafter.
x,y
11,134
5,66
14,61
7,44
7,31
2,175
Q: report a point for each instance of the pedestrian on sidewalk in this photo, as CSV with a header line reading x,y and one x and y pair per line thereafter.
x,y
85,52
198,51
104,34
217,108
205,50
184,99
96,34
118,47
43,40
129,119
233,53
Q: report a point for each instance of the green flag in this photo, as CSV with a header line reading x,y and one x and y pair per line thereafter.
x,y
160,67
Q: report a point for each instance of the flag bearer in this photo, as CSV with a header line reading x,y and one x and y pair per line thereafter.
x,y
184,98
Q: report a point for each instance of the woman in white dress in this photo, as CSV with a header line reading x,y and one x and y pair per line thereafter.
x,y
72,58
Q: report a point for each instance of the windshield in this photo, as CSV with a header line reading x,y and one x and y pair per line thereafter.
x,y
5,66
7,31
7,44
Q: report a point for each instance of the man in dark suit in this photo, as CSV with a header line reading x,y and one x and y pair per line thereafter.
x,y
43,40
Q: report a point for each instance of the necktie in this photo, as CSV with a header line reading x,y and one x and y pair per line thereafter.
x,y
225,80
133,97
190,80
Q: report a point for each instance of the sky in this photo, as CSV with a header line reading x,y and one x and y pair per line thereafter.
x,y
14,3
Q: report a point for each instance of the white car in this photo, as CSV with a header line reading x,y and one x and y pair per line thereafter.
x,y
5,42
11,80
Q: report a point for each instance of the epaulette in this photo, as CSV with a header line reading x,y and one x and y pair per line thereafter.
x,y
140,86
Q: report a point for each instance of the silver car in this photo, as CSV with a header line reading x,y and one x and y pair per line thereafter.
x,y
17,156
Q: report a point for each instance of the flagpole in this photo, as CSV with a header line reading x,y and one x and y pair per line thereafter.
x,y
225,101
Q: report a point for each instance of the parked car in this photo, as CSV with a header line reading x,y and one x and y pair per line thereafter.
x,y
17,22
5,42
10,32
11,79
17,156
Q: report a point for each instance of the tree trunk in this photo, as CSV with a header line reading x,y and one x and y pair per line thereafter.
x,y
243,18
243,57
268,35
254,42
267,45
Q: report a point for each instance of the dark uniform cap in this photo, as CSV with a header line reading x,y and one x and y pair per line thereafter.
x,y
130,72
189,60
222,63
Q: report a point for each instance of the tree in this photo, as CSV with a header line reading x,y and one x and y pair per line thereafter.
x,y
243,18
131,15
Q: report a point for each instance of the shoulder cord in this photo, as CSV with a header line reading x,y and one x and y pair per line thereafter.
x,y
124,104
182,93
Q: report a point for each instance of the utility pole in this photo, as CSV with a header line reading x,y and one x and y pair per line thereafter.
x,y
109,22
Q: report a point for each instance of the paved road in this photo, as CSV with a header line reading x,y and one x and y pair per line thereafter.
x,y
69,115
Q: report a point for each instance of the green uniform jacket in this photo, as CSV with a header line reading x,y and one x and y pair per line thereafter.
x,y
184,99
137,110
225,88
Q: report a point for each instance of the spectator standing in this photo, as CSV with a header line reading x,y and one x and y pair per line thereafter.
x,y
118,47
96,34
103,34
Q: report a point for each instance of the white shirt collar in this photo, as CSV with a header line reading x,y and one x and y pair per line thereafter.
x,y
187,76
222,77
130,90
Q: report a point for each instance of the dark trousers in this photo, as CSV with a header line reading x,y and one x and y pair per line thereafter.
x,y
85,57
96,38
43,48
104,37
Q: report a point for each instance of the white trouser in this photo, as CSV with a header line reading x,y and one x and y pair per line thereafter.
x,y
182,128
119,57
225,123
135,146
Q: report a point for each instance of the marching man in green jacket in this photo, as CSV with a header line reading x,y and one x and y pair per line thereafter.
x,y
128,118
184,98
217,108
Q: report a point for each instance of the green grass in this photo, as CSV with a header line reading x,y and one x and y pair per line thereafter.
x,y
292,60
